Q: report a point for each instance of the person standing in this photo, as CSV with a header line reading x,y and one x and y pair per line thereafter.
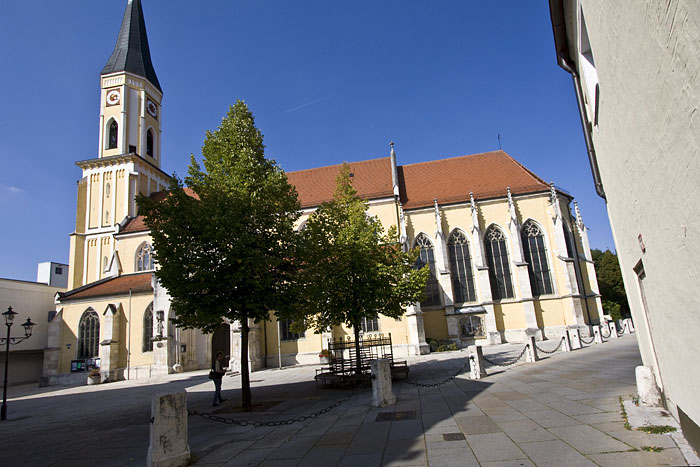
x,y
218,371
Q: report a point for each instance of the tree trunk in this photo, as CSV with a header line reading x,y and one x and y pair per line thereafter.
x,y
246,399
356,328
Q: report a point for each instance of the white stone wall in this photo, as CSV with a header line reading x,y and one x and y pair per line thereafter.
x,y
647,142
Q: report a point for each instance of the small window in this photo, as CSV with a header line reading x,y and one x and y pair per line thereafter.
x,y
105,261
107,190
286,333
58,270
370,324
132,149
148,329
113,135
144,258
149,142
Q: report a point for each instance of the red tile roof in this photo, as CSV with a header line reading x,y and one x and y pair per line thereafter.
x,y
371,179
135,224
120,285
487,175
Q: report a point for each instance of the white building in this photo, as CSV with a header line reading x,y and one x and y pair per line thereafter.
x,y
53,274
636,73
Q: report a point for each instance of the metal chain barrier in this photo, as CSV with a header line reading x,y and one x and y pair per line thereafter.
x,y
439,383
257,423
604,336
550,351
588,342
509,362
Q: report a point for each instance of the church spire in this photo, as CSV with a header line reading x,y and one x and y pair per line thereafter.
x,y
131,53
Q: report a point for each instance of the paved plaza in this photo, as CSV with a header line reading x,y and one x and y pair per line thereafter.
x,y
563,410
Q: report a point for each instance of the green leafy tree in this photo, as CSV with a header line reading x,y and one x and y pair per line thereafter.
x,y
224,245
350,268
612,289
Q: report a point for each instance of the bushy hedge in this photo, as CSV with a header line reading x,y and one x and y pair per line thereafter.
x,y
441,345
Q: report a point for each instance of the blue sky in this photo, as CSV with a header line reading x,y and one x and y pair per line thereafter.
x,y
327,81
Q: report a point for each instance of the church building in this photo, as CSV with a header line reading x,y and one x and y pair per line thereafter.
x,y
508,259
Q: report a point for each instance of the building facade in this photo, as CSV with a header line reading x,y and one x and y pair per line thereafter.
x,y
508,259
635,68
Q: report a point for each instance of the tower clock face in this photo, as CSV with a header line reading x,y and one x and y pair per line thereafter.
x,y
113,97
152,108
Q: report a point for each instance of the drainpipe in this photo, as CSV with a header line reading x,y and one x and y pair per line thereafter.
x,y
128,344
592,158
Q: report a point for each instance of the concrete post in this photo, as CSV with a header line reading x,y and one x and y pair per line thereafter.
x,y
477,369
382,394
567,343
531,352
630,325
597,336
168,442
575,338
621,323
647,389
613,329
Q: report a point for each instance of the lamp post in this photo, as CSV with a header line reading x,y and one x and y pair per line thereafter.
x,y
9,316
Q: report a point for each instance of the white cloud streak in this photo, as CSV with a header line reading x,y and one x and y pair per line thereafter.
x,y
316,101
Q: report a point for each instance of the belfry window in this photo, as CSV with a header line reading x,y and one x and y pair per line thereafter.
x,y
427,256
498,263
88,334
536,258
113,135
149,142
148,329
144,258
461,268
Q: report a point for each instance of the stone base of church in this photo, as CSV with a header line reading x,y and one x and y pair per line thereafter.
x,y
522,335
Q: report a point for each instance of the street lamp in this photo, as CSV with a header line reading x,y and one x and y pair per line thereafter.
x,y
9,316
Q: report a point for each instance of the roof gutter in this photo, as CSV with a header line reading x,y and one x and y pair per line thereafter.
x,y
556,9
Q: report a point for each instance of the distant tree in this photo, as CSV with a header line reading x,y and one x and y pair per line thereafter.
x,y
225,252
350,269
612,289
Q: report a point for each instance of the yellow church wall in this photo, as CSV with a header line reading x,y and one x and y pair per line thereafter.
x,y
420,221
94,203
73,312
105,253
457,217
127,247
143,184
77,255
512,314
107,197
385,211
92,253
81,206
154,186
119,187
550,313
397,329
435,324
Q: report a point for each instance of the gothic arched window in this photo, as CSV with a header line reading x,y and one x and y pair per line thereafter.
x,y
149,142
88,334
498,263
536,258
427,256
148,329
461,268
113,135
144,258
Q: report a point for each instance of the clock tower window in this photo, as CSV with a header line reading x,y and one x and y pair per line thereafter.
x,y
149,142
113,135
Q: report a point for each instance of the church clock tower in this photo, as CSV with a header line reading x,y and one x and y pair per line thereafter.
x,y
129,154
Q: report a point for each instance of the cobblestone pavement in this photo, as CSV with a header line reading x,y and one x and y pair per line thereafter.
x,y
563,410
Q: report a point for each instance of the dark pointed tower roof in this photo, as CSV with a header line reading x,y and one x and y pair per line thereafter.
x,y
131,53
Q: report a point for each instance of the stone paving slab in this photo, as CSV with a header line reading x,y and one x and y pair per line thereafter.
x,y
563,410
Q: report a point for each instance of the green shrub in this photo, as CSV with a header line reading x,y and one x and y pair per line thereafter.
x,y
441,345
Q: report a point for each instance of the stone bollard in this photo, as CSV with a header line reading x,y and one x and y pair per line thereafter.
x,y
567,343
531,352
613,329
168,442
381,383
575,338
630,325
647,389
597,336
622,327
477,369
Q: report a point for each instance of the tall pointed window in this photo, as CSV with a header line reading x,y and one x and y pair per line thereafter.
x,y
427,256
88,334
536,258
144,258
113,135
148,329
498,263
149,142
461,268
